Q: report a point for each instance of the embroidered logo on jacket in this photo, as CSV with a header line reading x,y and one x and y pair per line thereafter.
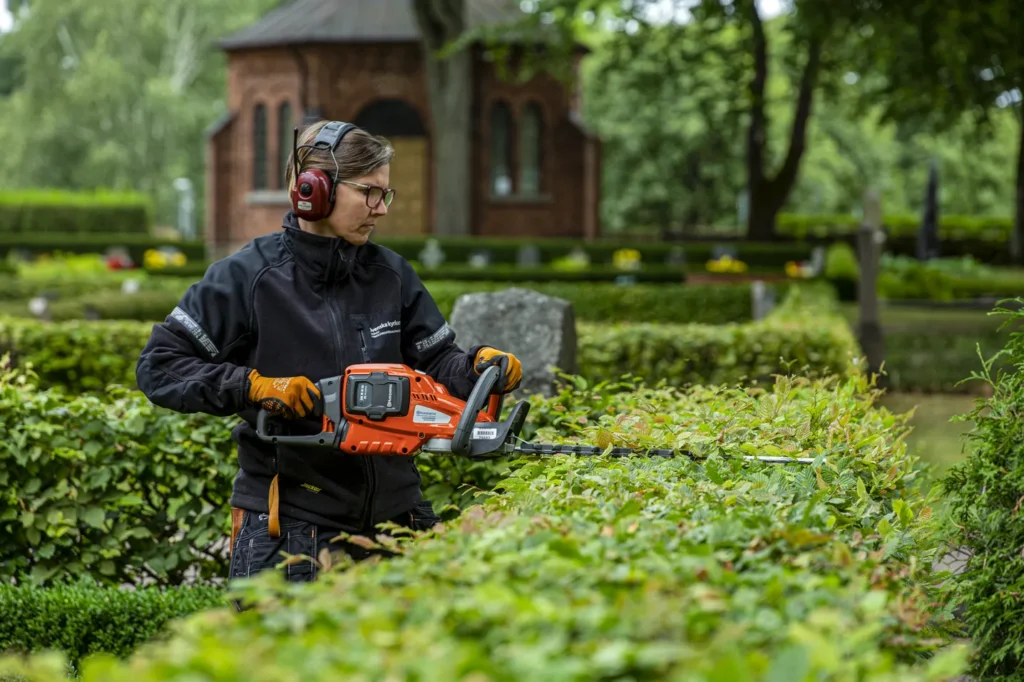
x,y
392,327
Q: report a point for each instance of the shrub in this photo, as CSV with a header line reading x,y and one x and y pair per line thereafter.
x,y
82,618
134,243
985,494
89,355
32,212
114,487
633,568
596,302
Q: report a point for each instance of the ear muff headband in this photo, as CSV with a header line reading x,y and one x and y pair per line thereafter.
x,y
312,194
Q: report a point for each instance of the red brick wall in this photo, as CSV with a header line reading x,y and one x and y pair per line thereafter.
x,y
341,81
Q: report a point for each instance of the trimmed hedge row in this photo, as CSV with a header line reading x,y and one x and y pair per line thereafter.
x,y
113,487
81,618
41,211
597,568
135,244
88,355
951,227
597,302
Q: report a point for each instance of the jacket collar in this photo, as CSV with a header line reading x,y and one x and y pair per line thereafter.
x,y
325,258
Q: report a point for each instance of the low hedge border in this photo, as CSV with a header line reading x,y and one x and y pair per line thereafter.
x,y
37,211
596,568
81,618
89,355
597,302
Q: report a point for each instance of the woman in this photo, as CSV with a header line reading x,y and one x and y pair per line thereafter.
x,y
295,306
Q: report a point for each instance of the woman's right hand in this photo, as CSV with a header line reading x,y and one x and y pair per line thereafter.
x,y
289,397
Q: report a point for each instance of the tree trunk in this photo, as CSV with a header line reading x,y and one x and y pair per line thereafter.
x,y
1017,238
766,196
449,87
757,131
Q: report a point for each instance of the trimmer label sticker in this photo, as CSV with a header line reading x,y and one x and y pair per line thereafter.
x,y
481,433
425,415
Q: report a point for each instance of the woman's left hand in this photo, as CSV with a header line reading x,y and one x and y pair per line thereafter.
x,y
512,370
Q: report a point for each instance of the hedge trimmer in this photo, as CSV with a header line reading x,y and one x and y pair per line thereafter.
x,y
392,409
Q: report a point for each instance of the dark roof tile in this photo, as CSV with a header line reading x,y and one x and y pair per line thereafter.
x,y
341,21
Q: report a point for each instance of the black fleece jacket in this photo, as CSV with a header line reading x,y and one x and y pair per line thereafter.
x,y
292,303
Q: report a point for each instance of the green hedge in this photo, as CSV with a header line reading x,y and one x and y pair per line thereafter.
x,y
88,355
985,493
951,227
134,243
116,488
39,211
625,569
81,618
598,302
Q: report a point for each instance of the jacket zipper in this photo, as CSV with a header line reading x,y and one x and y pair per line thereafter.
x,y
362,344
368,464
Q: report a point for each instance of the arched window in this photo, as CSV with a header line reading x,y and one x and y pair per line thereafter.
x,y
531,140
259,147
501,149
285,135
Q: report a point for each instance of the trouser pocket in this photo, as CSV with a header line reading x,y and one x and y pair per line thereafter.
x,y
422,516
255,550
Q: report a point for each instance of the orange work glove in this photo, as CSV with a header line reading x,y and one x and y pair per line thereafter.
x,y
511,368
289,396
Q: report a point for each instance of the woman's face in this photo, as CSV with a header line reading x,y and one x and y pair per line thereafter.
x,y
352,219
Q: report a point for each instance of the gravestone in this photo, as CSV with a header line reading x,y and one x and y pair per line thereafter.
x,y
817,264
539,330
432,255
720,250
480,259
676,257
762,299
528,256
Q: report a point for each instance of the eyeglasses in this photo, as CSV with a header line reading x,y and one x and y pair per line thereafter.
x,y
374,194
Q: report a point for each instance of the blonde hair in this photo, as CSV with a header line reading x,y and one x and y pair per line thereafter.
x,y
359,153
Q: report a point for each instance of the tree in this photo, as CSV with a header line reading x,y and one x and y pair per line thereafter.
x,y
813,38
940,60
449,85
115,94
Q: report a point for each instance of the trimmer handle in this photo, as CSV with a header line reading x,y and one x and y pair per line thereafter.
x,y
480,394
330,433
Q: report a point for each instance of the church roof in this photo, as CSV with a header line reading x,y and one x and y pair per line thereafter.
x,y
305,22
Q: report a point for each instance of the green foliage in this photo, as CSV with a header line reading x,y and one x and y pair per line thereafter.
x,y
87,355
985,494
595,568
81,618
598,302
36,211
116,488
117,94
134,243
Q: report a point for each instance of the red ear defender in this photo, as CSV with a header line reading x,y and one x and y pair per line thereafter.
x,y
312,194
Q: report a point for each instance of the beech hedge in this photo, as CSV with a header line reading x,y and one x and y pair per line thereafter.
x,y
596,568
803,332
111,486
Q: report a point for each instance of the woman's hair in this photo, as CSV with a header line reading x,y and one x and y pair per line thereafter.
x,y
359,153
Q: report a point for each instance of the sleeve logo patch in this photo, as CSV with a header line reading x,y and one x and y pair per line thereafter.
x,y
197,332
434,339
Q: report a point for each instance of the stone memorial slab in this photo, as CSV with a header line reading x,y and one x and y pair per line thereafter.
x,y
539,330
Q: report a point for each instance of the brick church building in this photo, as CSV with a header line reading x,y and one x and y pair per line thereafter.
x,y
535,167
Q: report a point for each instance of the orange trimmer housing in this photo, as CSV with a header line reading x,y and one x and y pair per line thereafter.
x,y
392,409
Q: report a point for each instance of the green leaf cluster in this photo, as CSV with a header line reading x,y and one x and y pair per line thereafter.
x,y
986,500
594,568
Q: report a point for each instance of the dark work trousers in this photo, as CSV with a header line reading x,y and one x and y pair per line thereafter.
x,y
255,550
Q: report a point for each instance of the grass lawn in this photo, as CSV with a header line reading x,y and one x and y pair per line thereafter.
x,y
934,438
